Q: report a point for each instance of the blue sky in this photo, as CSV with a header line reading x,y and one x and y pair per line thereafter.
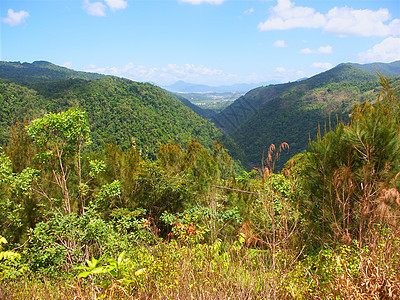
x,y
200,41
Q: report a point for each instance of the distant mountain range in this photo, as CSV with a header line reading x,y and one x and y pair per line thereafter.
x,y
185,87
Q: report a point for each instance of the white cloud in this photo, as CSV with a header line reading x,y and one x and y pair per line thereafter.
x,y
200,74
168,74
95,9
116,4
283,74
306,51
395,27
322,65
321,50
15,18
249,11
386,51
196,2
285,15
280,44
340,21
345,21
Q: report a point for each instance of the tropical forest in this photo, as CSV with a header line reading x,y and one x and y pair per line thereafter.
x,y
117,189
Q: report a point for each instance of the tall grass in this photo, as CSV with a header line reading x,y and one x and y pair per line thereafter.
x,y
233,271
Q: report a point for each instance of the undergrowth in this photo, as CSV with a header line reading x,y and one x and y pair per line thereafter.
x,y
171,270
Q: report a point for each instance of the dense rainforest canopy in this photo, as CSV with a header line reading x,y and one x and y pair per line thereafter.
x,y
119,110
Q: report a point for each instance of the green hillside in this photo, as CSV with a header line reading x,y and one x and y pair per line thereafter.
x,y
16,103
46,72
387,69
292,112
205,113
41,71
119,110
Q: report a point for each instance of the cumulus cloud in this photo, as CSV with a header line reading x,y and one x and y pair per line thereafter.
x,y
170,73
283,74
345,21
196,2
340,21
249,11
167,74
321,50
386,51
280,44
15,18
94,8
285,15
116,4
322,65
99,8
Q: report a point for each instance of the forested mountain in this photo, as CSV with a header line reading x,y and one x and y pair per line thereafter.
x,y
387,69
205,113
119,110
41,71
292,112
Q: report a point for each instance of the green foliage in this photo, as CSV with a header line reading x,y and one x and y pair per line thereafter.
x,y
10,263
291,112
61,134
107,194
66,240
275,218
138,228
118,109
59,140
326,227
40,71
350,171
16,104
15,189
193,224
7,255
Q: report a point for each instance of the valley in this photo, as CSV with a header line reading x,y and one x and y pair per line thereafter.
x,y
113,189
213,101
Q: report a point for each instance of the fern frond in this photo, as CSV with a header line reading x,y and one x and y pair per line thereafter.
x,y
9,255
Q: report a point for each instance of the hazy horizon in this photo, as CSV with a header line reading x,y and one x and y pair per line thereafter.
x,y
210,42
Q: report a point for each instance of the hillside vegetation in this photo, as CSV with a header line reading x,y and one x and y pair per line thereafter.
x,y
113,224
41,71
293,112
119,110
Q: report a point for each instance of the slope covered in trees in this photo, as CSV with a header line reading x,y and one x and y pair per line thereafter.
x,y
387,69
41,71
119,110
292,112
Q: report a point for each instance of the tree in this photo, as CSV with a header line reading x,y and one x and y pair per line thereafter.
x,y
350,170
60,139
15,188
